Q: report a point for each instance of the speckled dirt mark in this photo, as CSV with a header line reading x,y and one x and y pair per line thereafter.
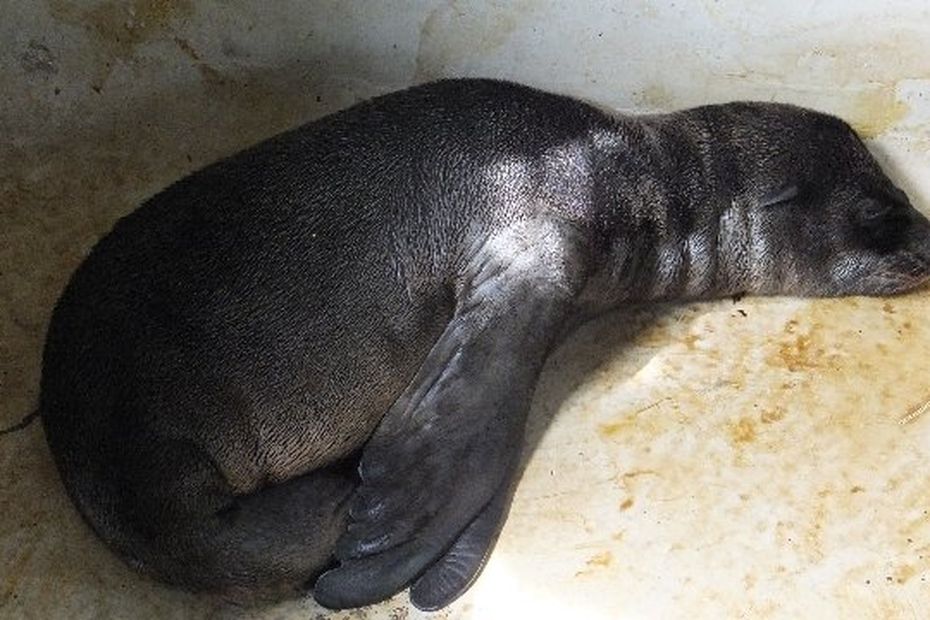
x,y
122,26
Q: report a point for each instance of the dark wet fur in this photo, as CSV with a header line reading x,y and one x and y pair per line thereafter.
x,y
319,353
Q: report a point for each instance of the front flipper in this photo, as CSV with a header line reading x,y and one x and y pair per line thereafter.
x,y
452,574
450,444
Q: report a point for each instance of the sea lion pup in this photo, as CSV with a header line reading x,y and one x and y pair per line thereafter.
x,y
310,364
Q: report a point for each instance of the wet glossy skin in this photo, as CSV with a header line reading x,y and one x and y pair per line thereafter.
x,y
320,353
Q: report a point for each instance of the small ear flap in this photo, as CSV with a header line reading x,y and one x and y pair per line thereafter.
x,y
779,195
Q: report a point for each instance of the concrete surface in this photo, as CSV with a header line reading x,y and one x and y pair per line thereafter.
x,y
759,459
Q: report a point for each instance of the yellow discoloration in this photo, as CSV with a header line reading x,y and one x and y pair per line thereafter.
x,y
742,431
596,563
601,559
122,26
914,413
877,110
772,415
904,572
796,354
118,29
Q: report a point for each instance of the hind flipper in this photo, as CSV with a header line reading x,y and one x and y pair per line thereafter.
x,y
164,507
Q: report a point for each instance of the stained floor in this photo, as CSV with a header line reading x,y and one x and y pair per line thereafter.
x,y
760,458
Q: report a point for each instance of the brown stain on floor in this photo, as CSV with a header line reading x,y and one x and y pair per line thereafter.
x,y
915,412
599,561
631,421
796,355
797,351
772,414
603,559
117,29
613,429
876,110
904,573
121,27
810,396
742,431
807,345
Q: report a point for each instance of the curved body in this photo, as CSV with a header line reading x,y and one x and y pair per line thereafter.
x,y
323,348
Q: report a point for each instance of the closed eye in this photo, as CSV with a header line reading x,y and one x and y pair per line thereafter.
x,y
872,210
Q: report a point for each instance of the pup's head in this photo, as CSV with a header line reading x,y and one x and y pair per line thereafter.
x,y
820,217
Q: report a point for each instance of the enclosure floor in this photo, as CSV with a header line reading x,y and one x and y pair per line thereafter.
x,y
761,458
